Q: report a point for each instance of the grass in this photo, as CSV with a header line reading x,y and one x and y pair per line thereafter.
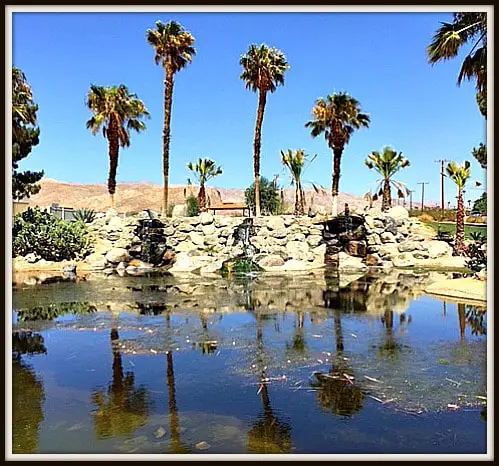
x,y
451,228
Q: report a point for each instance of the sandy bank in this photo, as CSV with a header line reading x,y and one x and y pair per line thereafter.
x,y
465,289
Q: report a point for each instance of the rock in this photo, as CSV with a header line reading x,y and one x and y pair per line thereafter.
x,y
96,261
183,264
372,260
205,218
356,248
271,260
185,246
179,210
169,231
203,446
387,237
346,262
421,254
414,237
208,229
297,250
160,432
314,240
404,260
196,238
282,233
319,251
438,248
114,224
297,237
108,270
214,267
295,264
276,223
212,240
30,281
140,264
168,257
185,288
69,269
398,212
121,266
116,255
447,262
409,246
373,240
482,275
134,271
135,250
31,258
185,227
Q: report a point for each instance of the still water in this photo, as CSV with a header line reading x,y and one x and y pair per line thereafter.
x,y
297,364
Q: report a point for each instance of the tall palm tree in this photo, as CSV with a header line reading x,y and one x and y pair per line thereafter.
x,y
466,28
337,116
173,47
459,174
263,71
387,163
204,170
117,112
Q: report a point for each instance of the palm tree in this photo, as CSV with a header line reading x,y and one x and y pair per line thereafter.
x,y
117,112
205,170
173,47
387,163
465,28
337,116
263,71
459,174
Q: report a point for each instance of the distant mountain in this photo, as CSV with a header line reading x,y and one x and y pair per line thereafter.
x,y
132,197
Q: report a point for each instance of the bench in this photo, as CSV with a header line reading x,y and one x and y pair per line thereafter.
x,y
230,206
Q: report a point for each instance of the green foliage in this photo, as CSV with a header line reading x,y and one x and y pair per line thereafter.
x,y
480,153
169,210
55,310
84,215
436,213
477,252
270,201
192,206
51,238
25,135
204,170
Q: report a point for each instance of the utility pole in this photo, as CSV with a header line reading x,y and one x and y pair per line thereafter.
x,y
442,175
422,183
410,198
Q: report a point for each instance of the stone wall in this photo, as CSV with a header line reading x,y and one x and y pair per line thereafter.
x,y
282,243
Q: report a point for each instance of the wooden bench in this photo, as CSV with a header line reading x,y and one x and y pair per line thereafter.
x,y
230,206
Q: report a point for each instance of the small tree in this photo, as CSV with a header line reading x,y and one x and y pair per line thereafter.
x,y
480,204
25,133
204,170
270,202
459,174
387,163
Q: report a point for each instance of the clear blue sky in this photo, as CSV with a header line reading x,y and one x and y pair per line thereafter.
x,y
379,58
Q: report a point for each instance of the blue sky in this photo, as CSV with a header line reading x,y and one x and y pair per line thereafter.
x,y
379,58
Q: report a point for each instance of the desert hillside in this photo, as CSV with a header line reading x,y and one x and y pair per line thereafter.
x,y
138,196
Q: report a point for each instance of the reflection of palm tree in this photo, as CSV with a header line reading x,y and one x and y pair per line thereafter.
x,y
299,345
126,408
462,320
27,393
176,445
390,346
269,434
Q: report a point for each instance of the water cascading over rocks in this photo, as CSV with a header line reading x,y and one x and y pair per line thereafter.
x,y
153,241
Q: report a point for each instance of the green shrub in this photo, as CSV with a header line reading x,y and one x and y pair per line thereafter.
x,y
51,238
169,210
270,201
192,206
480,205
436,213
84,215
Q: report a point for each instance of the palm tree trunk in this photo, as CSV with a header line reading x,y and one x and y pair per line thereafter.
x,y
387,195
262,99
202,197
114,148
166,136
336,179
299,204
172,405
459,245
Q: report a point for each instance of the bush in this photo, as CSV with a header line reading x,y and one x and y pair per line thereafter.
x,y
169,210
192,206
84,215
426,218
477,252
475,220
270,201
436,213
49,237
480,205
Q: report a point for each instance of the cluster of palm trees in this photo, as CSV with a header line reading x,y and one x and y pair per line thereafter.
x,y
336,117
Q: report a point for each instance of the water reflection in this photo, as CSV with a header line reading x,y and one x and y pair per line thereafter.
x,y
126,408
53,311
27,394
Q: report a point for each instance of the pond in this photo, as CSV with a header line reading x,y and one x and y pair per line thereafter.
x,y
305,363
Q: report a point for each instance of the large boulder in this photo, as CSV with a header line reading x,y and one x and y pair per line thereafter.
x,y
197,238
387,237
179,210
116,255
438,248
271,260
398,213
276,223
404,260
298,250
346,262
205,218
185,246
